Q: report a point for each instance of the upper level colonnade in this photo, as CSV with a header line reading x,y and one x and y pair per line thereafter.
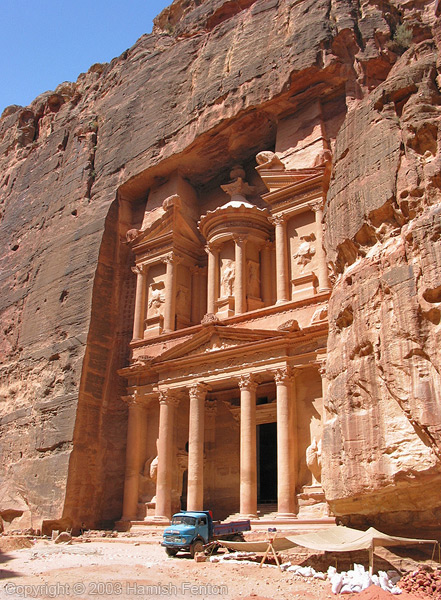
x,y
251,252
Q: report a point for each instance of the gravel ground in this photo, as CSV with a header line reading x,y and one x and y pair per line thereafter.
x,y
140,570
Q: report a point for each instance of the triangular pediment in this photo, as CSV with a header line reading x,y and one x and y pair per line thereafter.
x,y
173,223
216,338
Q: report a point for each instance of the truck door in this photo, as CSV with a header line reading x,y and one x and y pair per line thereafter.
x,y
203,528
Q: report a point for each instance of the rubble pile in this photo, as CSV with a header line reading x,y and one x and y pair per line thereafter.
x,y
424,582
349,582
235,557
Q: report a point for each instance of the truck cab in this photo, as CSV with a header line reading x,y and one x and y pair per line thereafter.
x,y
189,530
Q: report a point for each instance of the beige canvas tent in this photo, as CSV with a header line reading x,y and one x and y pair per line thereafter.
x,y
334,539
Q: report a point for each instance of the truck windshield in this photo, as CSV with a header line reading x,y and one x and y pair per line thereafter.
x,y
182,519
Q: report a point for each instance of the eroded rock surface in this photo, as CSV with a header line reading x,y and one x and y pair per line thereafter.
x,y
382,442
202,93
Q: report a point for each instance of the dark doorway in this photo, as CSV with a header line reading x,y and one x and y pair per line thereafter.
x,y
184,490
267,463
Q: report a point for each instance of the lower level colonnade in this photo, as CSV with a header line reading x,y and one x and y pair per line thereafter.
x,y
196,396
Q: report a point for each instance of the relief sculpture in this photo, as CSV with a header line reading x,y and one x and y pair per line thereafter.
x,y
156,301
227,278
305,251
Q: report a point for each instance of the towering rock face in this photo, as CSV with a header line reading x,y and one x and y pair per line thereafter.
x,y
207,90
382,440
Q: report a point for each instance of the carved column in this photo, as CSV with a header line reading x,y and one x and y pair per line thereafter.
x,y
213,277
281,259
248,455
209,443
171,262
140,309
266,274
286,442
195,494
323,273
240,294
167,403
196,295
133,457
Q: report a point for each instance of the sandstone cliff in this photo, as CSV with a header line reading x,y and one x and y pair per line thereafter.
x,y
204,92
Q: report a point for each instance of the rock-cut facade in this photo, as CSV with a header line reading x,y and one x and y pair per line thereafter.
x,y
220,274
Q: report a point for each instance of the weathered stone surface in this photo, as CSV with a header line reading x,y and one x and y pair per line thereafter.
x,y
205,91
382,442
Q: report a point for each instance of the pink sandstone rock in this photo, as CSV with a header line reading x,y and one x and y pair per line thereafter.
x,y
216,83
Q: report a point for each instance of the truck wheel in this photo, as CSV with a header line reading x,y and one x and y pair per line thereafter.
x,y
237,538
197,546
171,551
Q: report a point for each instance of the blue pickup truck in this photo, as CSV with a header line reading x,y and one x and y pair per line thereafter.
x,y
191,530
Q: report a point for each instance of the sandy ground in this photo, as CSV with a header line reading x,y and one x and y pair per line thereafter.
x,y
139,570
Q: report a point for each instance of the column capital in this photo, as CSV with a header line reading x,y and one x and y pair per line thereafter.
x,y
138,269
210,407
247,382
197,270
211,248
284,375
267,245
277,219
316,206
169,397
240,239
138,400
198,391
321,366
172,258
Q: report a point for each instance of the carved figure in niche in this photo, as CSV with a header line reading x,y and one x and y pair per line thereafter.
x,y
227,278
305,251
314,460
148,477
253,283
156,300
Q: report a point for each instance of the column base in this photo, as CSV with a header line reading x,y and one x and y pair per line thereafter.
x,y
253,516
157,520
125,519
322,290
286,516
122,525
281,302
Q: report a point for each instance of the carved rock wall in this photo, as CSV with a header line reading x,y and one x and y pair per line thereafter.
x,y
201,93
382,444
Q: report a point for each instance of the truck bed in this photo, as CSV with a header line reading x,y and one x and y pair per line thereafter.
x,y
232,527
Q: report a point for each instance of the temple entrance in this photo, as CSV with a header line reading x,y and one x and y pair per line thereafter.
x,y
267,463
183,498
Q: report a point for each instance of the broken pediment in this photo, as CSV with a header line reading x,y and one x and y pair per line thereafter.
x,y
169,222
214,339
